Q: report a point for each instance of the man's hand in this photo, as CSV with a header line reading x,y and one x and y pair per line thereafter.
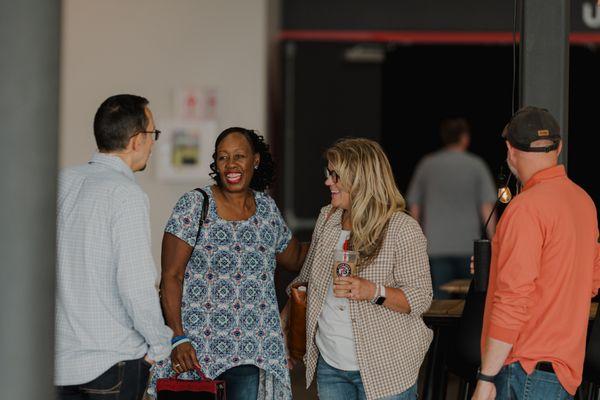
x,y
149,361
472,265
484,391
183,358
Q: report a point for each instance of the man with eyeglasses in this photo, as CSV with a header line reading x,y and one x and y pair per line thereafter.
x,y
109,325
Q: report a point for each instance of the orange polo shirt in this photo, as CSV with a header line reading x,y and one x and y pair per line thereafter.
x,y
545,268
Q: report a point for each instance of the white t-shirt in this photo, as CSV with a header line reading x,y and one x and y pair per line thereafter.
x,y
335,339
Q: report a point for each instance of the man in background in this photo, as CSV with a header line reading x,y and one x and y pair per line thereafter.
x,y
451,194
544,270
109,325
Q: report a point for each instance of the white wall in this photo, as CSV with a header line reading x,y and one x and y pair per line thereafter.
x,y
149,48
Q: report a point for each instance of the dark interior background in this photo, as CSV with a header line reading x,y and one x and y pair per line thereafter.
x,y
424,84
332,98
584,119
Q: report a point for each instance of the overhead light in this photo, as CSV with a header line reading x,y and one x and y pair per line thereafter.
x,y
504,195
361,53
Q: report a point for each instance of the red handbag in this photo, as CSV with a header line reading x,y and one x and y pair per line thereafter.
x,y
183,389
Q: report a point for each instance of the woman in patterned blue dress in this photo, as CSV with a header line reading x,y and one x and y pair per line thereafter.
x,y
218,294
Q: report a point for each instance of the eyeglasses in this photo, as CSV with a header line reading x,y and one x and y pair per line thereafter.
x,y
329,174
156,133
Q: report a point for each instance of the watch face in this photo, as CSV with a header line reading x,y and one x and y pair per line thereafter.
x,y
380,300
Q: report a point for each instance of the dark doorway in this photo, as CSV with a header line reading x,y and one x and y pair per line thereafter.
x,y
584,119
424,84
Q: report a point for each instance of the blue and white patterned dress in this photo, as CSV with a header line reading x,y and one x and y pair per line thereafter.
x,y
229,308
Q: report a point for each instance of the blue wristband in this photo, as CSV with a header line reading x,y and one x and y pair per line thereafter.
x,y
178,338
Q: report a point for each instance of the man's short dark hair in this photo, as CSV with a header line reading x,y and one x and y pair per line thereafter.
x,y
451,130
118,118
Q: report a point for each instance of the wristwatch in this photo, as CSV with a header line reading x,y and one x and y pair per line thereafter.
x,y
483,377
381,295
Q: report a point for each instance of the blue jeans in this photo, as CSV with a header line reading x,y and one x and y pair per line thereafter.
x,y
336,384
126,380
445,269
241,383
513,383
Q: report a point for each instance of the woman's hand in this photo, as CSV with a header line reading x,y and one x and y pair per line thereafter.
x,y
354,288
284,316
183,358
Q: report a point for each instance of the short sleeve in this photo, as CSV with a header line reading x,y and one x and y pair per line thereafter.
x,y
284,234
185,217
415,191
487,189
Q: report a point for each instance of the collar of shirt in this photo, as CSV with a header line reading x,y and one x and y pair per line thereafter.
x,y
112,162
335,217
545,174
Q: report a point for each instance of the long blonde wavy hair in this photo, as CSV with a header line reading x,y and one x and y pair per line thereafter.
x,y
364,171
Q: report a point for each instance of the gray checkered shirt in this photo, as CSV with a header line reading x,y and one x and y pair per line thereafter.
x,y
107,306
390,346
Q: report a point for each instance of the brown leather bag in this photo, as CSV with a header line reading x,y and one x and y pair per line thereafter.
x,y
296,335
295,326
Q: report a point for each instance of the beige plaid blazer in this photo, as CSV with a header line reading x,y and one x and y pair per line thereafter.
x,y
390,346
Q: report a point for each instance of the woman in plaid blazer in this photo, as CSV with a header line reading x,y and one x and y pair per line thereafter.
x,y
369,340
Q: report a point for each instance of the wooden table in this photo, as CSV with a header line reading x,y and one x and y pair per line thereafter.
x,y
442,317
445,308
456,286
452,309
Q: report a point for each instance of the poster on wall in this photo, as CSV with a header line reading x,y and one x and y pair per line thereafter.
x,y
185,151
195,104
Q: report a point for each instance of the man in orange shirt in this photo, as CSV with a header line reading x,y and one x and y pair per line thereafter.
x,y
545,268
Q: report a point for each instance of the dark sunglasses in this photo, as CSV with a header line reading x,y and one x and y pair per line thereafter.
x,y
329,174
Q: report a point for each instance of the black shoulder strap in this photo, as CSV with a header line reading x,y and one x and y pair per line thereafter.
x,y
204,211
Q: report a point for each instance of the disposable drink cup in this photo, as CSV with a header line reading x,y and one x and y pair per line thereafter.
x,y
344,265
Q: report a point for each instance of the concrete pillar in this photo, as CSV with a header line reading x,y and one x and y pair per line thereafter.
x,y
544,61
29,42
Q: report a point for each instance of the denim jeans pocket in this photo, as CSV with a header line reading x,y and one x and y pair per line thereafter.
x,y
544,376
544,385
109,382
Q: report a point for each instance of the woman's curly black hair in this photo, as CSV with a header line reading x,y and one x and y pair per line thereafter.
x,y
265,173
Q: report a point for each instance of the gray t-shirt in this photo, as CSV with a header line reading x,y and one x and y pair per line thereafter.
x,y
450,187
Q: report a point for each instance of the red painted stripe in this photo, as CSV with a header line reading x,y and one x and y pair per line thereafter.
x,y
584,37
420,37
